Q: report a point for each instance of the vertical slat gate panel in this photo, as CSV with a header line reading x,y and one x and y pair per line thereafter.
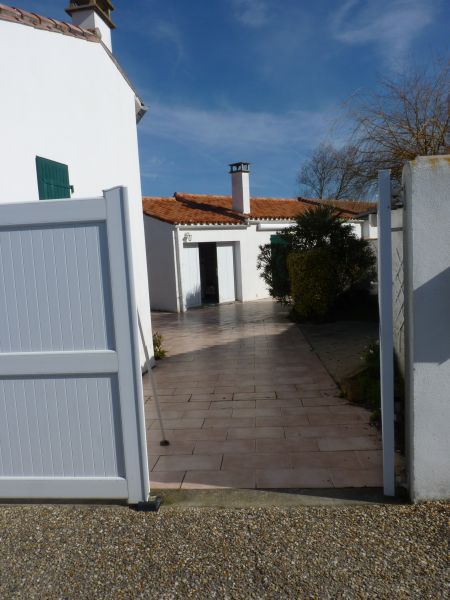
x,y
69,428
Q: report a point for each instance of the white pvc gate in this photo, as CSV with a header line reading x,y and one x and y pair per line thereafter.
x,y
71,405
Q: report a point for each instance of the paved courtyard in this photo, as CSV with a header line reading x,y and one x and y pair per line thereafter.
x,y
247,404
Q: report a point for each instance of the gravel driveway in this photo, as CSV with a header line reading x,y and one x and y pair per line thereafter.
x,y
350,552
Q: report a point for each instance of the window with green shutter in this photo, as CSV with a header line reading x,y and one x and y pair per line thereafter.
x,y
53,179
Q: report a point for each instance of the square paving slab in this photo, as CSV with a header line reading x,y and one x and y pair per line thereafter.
x,y
247,404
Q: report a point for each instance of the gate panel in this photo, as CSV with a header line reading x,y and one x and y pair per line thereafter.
x,y
59,297
71,403
61,427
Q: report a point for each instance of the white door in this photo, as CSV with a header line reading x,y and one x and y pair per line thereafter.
x,y
225,272
190,266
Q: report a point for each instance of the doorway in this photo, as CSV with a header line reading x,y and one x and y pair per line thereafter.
x,y
208,272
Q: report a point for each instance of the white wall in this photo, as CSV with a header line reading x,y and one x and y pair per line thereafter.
x,y
427,327
253,286
370,227
159,239
249,284
357,228
64,99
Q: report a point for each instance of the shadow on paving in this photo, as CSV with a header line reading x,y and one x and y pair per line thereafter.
x,y
248,405
341,345
282,498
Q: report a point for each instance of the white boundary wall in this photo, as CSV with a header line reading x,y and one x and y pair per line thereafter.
x,y
72,422
427,324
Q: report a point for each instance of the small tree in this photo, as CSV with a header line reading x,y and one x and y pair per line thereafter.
x,y
323,259
272,262
313,282
405,117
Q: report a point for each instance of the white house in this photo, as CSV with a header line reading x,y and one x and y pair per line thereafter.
x,y
69,115
204,248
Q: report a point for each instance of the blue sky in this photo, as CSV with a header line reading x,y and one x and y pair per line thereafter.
x,y
256,80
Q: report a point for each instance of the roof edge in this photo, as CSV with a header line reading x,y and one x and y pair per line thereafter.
x,y
19,16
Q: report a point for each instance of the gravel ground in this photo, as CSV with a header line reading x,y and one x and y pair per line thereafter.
x,y
393,551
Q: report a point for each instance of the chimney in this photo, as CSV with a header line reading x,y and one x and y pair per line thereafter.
x,y
93,15
240,187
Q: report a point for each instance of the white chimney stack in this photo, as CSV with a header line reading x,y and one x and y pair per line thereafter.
x,y
93,15
240,187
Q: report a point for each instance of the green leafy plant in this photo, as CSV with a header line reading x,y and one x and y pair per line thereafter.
x,y
364,388
158,349
316,262
313,283
272,262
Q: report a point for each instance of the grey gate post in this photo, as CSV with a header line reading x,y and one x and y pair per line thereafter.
x,y
386,330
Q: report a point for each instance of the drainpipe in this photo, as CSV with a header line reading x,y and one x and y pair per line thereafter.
x,y
179,283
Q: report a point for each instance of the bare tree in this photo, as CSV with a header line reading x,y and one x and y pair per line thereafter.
x,y
406,118
332,173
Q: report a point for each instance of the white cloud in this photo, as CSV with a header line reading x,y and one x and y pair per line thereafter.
x,y
236,129
252,13
152,166
390,25
169,33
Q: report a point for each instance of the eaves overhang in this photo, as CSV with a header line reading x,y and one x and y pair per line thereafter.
x,y
210,226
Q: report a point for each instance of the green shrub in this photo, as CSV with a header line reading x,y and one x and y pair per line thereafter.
x,y
272,262
365,388
158,349
335,262
313,282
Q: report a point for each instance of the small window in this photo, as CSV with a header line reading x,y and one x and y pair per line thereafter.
x,y
53,179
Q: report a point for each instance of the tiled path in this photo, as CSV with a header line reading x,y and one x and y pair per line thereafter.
x,y
247,404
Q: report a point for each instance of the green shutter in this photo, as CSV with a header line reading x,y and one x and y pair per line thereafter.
x,y
277,240
53,179
279,255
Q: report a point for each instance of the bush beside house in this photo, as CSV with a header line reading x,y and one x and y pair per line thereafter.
x,y
317,262
313,282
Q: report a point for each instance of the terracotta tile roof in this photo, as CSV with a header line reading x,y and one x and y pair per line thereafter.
x,y
188,209
348,208
24,17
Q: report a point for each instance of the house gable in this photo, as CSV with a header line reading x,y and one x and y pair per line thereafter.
x,y
29,19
